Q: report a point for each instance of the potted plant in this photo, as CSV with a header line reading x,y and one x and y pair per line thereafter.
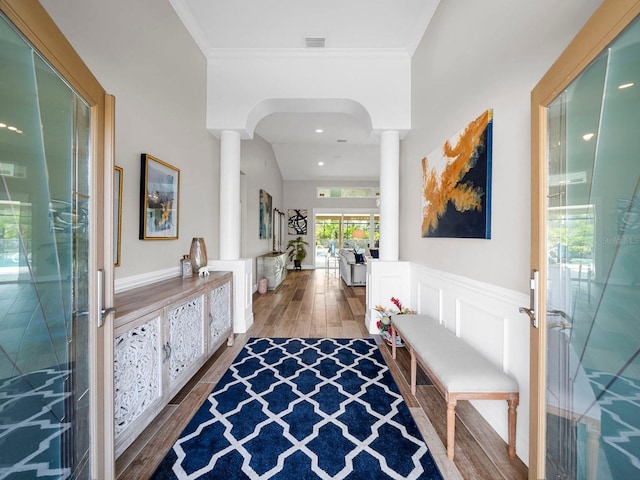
x,y
297,252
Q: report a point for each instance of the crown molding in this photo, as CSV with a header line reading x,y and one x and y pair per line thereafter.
x,y
192,26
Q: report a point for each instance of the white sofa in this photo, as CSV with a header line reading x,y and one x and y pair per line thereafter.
x,y
352,272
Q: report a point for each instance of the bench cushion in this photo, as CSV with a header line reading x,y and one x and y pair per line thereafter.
x,y
458,366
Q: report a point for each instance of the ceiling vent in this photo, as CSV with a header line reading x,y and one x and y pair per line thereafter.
x,y
314,42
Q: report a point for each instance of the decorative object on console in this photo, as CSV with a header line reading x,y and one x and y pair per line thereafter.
x,y
385,320
265,214
185,266
297,252
203,271
198,254
456,188
297,221
159,194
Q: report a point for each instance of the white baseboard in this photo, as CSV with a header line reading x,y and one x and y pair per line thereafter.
x,y
124,284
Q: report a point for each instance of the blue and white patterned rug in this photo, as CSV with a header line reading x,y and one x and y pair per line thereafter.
x,y
291,408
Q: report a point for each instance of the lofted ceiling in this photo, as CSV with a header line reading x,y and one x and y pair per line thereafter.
x,y
344,147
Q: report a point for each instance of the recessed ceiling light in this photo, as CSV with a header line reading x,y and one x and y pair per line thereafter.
x,y
320,164
13,129
319,130
3,125
625,85
588,136
342,140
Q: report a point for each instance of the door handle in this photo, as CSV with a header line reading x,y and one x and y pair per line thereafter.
x,y
559,313
564,322
531,311
103,311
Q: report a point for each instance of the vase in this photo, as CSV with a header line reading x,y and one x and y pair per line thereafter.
x,y
388,338
198,254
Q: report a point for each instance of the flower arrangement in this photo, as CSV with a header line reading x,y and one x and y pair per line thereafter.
x,y
385,320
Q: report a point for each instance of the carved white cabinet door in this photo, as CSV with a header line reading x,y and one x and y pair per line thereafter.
x,y
220,316
185,338
138,357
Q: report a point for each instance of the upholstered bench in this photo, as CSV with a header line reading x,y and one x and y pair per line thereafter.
x,y
457,370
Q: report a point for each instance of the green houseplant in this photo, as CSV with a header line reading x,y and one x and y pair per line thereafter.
x,y
296,251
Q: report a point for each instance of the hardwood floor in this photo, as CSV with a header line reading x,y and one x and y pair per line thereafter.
x,y
317,304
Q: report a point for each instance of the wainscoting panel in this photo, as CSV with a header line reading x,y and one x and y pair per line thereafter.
x,y
429,300
473,322
486,316
386,280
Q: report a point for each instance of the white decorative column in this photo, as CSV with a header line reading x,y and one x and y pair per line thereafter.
x,y
230,214
388,277
230,228
389,195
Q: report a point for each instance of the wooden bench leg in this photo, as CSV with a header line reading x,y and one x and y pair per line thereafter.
x,y
513,405
414,369
393,341
451,427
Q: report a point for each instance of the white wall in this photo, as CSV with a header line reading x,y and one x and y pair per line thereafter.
x,y
492,58
261,171
141,53
303,195
474,56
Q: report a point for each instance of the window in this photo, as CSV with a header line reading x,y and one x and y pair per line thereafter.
x,y
348,192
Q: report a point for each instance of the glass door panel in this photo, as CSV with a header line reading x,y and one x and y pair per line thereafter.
x,y
327,231
355,232
349,231
44,262
593,270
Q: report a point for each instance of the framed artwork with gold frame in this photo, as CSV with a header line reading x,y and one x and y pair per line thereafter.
x,y
159,199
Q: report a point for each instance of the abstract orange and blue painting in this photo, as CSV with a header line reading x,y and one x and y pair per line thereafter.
x,y
456,184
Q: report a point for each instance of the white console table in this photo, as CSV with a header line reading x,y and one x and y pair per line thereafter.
x,y
273,267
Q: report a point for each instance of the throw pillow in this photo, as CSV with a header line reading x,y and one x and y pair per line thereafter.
x,y
359,258
349,256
